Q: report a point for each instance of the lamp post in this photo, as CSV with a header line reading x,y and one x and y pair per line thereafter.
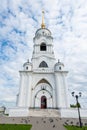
x,y
77,96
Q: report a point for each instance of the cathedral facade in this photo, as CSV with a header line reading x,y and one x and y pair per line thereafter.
x,y
43,80
43,84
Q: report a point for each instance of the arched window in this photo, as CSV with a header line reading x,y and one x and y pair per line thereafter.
x,y
43,64
43,47
59,67
27,68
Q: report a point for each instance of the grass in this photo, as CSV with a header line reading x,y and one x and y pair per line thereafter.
x,y
15,127
75,128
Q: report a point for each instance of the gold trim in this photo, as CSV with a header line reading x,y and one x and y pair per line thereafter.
x,y
43,24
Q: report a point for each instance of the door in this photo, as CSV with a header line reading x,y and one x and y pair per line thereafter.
x,y
43,102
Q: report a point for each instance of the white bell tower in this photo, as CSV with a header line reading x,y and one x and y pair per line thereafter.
x,y
42,81
43,47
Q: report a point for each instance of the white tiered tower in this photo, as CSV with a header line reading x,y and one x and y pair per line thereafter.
x,y
42,81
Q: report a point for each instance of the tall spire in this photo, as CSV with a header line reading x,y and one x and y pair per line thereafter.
x,y
43,24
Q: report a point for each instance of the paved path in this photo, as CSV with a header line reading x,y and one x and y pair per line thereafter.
x,y
47,124
41,123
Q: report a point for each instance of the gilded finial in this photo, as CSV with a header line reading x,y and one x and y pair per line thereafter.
x,y
43,24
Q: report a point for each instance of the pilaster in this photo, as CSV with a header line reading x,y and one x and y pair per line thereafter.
x,y
61,89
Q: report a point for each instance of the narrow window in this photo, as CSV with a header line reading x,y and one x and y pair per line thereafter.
x,y
60,68
43,47
27,68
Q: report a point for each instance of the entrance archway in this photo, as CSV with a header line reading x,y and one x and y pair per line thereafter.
x,y
43,102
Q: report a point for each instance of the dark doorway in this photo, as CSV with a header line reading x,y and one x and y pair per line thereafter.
x,y
43,102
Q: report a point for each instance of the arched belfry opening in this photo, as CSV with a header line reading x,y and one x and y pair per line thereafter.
x,y
43,64
43,47
43,102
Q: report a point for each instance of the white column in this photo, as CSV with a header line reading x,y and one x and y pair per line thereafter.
x,y
66,90
54,97
31,103
28,91
21,89
38,48
26,88
57,90
60,90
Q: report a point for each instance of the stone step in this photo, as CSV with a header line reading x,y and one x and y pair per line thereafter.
x,y
44,113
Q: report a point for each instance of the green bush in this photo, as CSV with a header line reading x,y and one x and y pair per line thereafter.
x,y
15,127
75,128
75,106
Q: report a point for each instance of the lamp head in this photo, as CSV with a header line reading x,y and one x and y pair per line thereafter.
x,y
80,94
73,94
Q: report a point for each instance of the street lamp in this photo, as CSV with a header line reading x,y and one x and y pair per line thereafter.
x,y
77,96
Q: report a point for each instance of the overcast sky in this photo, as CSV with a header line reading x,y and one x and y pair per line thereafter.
x,y
19,20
